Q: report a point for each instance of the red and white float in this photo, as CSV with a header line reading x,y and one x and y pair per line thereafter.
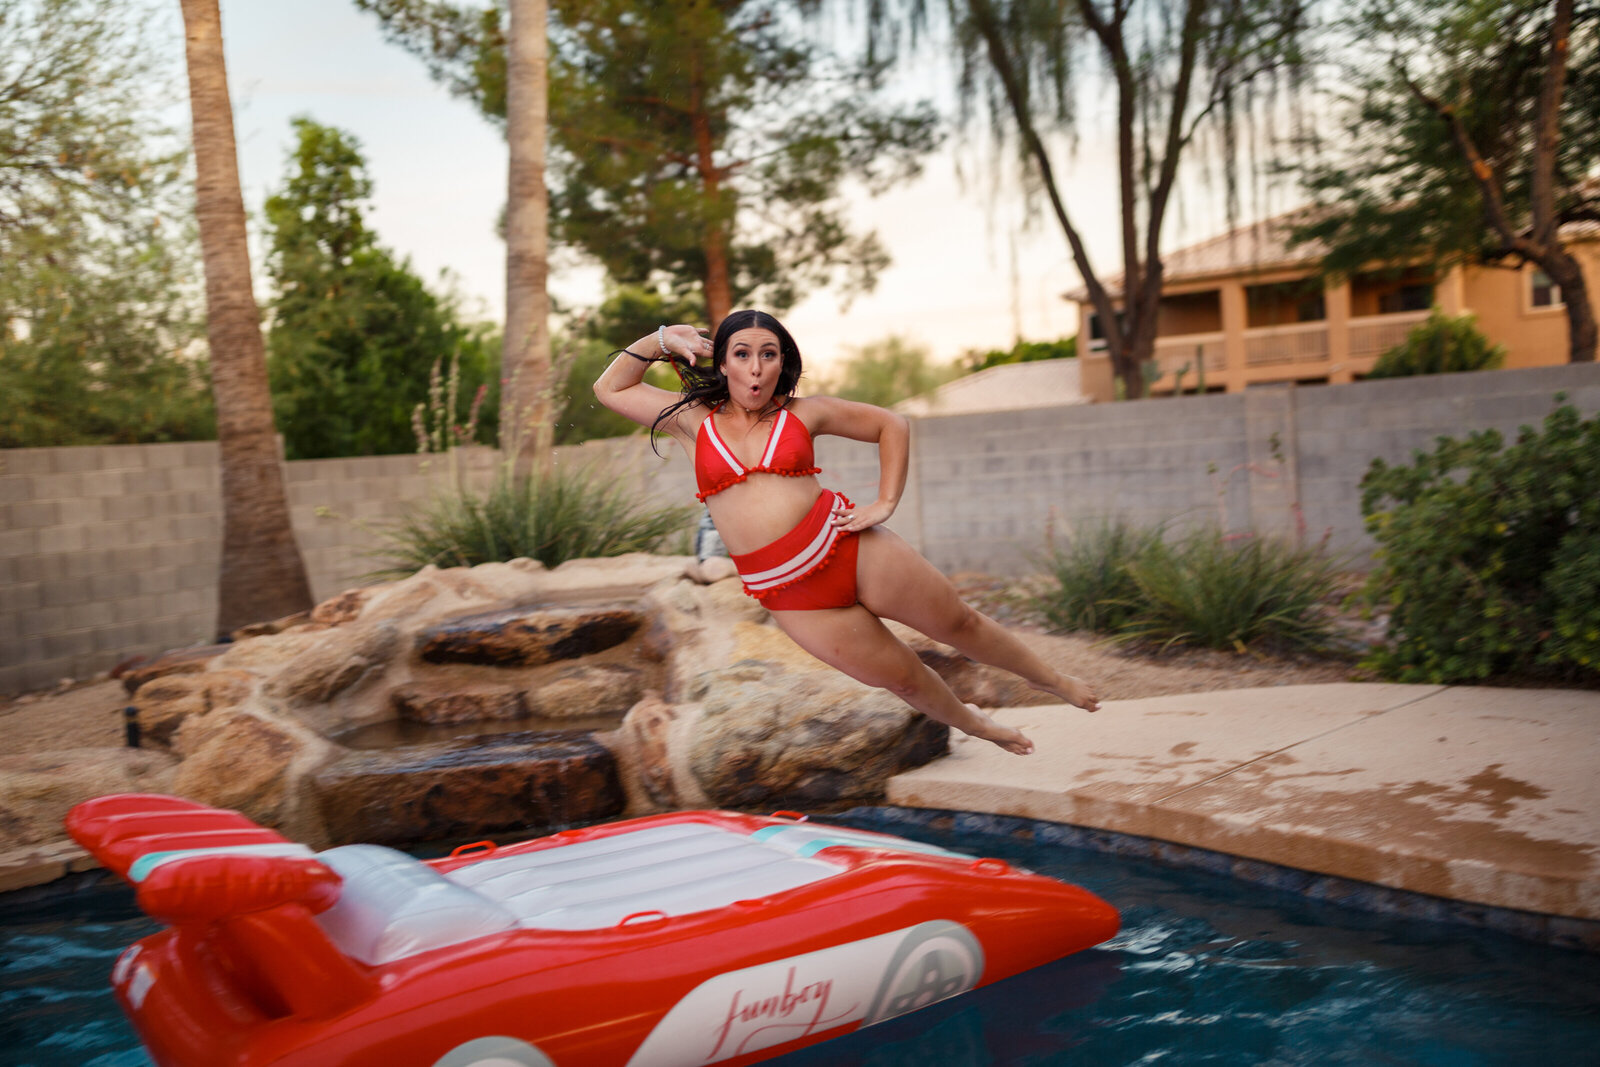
x,y
676,940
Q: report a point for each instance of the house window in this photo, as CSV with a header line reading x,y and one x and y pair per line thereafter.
x,y
1097,333
1545,293
1284,303
1415,296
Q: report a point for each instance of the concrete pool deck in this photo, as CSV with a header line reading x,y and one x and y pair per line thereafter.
x,y
1479,795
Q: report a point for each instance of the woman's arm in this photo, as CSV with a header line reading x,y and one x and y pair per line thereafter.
x,y
874,425
621,387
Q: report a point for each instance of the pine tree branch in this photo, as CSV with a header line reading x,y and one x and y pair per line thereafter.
x,y
1482,173
582,133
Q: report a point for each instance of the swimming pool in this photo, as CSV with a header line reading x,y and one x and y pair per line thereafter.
x,y
1206,970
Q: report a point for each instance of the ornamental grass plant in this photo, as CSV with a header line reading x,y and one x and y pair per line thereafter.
x,y
1202,588
1214,591
1088,584
563,513
552,517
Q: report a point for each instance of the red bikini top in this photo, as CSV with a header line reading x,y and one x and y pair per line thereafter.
x,y
788,453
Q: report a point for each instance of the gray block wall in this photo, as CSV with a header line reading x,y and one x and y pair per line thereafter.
x,y
103,551
339,507
112,551
1341,429
1279,459
995,487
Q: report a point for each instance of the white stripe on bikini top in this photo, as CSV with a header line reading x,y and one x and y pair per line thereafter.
x,y
773,437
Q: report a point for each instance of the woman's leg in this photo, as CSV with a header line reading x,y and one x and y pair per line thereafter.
x,y
893,581
856,642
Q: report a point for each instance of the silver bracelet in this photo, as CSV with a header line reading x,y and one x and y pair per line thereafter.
x,y
661,339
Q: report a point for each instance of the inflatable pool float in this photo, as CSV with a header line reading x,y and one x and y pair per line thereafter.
x,y
676,940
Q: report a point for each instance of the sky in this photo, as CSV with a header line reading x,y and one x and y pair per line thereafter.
x,y
969,270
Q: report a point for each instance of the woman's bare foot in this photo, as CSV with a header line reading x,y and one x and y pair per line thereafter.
x,y
1008,738
1074,691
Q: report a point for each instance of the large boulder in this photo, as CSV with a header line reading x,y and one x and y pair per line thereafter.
x,y
265,655
527,637
37,789
470,785
588,691
645,745
696,627
437,703
609,578
339,660
767,736
433,594
164,703
748,718
407,599
346,607
177,661
251,761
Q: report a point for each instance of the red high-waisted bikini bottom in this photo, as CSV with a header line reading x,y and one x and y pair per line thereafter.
x,y
812,566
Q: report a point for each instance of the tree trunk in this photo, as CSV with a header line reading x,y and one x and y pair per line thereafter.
x,y
1117,342
262,575
1541,241
1560,264
526,396
1144,319
718,291
719,296
1565,271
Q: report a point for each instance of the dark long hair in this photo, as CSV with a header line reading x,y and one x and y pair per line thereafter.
x,y
709,385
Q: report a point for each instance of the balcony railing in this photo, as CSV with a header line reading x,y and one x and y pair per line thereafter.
x,y
1267,346
1302,342
1372,335
1195,350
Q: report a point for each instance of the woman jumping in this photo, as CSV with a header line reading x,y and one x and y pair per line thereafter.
x,y
824,567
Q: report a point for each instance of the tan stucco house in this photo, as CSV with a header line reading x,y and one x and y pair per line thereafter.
x,y
1247,310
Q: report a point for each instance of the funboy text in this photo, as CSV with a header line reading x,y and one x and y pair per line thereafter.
x,y
795,1012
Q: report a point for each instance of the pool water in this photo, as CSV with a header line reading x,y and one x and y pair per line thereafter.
x,y
55,980
1205,971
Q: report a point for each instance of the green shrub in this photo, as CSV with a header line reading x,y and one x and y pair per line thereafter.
x,y
1232,593
1087,584
1489,556
566,514
1021,352
1440,345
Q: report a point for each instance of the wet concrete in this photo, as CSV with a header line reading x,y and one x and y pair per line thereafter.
x,y
1479,795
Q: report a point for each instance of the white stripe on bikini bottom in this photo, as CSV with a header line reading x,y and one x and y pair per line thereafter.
x,y
802,561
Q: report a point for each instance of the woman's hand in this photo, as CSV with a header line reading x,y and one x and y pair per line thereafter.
x,y
684,343
621,386
854,520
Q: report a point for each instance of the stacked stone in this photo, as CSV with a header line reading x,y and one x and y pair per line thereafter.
x,y
599,688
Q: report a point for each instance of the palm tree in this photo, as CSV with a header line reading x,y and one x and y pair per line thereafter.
x,y
525,356
262,575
